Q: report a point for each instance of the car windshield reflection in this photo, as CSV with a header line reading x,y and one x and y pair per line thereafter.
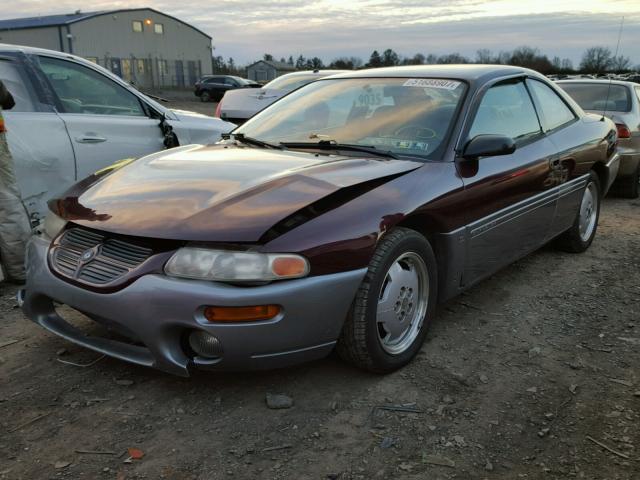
x,y
400,115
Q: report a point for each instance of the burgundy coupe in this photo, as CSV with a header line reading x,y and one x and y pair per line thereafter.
x,y
336,218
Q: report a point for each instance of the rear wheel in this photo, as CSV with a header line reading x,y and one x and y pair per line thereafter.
x,y
205,96
579,237
387,323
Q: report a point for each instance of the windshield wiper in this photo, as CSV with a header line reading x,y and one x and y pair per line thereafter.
x,y
251,141
333,145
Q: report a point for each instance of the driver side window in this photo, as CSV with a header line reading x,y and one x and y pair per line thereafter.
x,y
506,109
84,91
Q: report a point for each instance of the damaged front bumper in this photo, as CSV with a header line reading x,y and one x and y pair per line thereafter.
x,y
157,312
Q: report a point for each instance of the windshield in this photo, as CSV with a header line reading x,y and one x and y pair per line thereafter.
x,y
291,82
401,115
593,96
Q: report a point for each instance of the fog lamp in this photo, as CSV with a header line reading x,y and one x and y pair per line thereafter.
x,y
205,344
241,314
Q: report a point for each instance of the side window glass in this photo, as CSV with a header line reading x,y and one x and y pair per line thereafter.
x,y
555,112
506,109
82,90
11,76
637,89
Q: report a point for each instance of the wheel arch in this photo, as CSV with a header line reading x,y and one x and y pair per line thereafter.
x,y
603,175
448,248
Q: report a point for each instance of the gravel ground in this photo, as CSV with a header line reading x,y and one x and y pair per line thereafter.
x,y
532,374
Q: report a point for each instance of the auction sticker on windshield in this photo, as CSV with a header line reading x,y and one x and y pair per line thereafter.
x,y
432,82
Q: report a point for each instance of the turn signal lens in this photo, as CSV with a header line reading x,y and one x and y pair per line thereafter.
x,y
289,266
241,314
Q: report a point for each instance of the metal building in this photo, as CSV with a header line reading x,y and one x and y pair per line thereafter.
x,y
267,70
142,45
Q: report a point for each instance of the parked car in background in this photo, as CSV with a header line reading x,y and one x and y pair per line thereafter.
x,y
213,87
73,117
619,101
336,217
238,106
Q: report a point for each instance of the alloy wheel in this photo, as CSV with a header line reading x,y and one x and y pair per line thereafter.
x,y
402,303
588,212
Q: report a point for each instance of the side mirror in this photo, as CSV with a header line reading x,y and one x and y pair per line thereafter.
x,y
488,146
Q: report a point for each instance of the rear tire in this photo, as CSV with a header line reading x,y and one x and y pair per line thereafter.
x,y
579,237
205,96
387,323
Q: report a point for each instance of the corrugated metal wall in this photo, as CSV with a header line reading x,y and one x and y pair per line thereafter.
x,y
177,57
33,37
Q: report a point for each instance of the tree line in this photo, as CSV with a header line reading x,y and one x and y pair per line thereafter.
x,y
597,59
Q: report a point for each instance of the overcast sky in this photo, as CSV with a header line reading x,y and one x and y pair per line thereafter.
x,y
246,29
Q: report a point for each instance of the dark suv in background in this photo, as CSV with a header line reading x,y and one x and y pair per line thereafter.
x,y
212,87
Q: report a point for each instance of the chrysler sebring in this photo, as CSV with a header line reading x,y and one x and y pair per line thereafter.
x,y
337,218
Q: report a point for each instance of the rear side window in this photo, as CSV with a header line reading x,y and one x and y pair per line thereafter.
x,y
555,112
593,96
506,109
11,76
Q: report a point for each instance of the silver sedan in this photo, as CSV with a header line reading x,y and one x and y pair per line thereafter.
x,y
619,101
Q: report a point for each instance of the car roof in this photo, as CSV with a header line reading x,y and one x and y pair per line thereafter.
x,y
599,82
469,72
319,73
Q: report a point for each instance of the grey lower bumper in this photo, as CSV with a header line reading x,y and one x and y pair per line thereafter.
x,y
629,161
157,310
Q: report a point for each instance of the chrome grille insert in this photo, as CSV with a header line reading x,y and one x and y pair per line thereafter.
x,y
96,258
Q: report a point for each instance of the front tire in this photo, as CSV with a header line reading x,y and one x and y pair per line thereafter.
x,y
579,237
387,323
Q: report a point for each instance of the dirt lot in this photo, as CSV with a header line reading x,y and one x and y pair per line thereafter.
x,y
519,378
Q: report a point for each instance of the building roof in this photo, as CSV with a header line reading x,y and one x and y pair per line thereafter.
x,y
45,21
277,65
69,18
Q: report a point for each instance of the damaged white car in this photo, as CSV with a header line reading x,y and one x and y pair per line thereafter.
x,y
73,117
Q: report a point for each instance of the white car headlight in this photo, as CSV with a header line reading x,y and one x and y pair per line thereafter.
x,y
231,266
53,225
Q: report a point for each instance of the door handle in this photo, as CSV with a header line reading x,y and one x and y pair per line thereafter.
x,y
90,139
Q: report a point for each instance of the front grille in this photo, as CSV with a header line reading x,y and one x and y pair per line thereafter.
x,y
96,258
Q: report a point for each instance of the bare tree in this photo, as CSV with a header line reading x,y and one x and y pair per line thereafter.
x,y
452,58
620,63
567,65
484,55
596,60
417,59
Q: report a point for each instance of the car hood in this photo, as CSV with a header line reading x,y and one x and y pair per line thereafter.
x,y
193,127
246,102
216,193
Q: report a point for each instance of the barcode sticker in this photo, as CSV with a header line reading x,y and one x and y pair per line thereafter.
x,y
432,82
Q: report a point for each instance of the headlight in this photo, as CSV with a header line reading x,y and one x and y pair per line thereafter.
x,y
230,266
53,225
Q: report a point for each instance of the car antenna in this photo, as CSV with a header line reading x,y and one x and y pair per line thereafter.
x,y
615,55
